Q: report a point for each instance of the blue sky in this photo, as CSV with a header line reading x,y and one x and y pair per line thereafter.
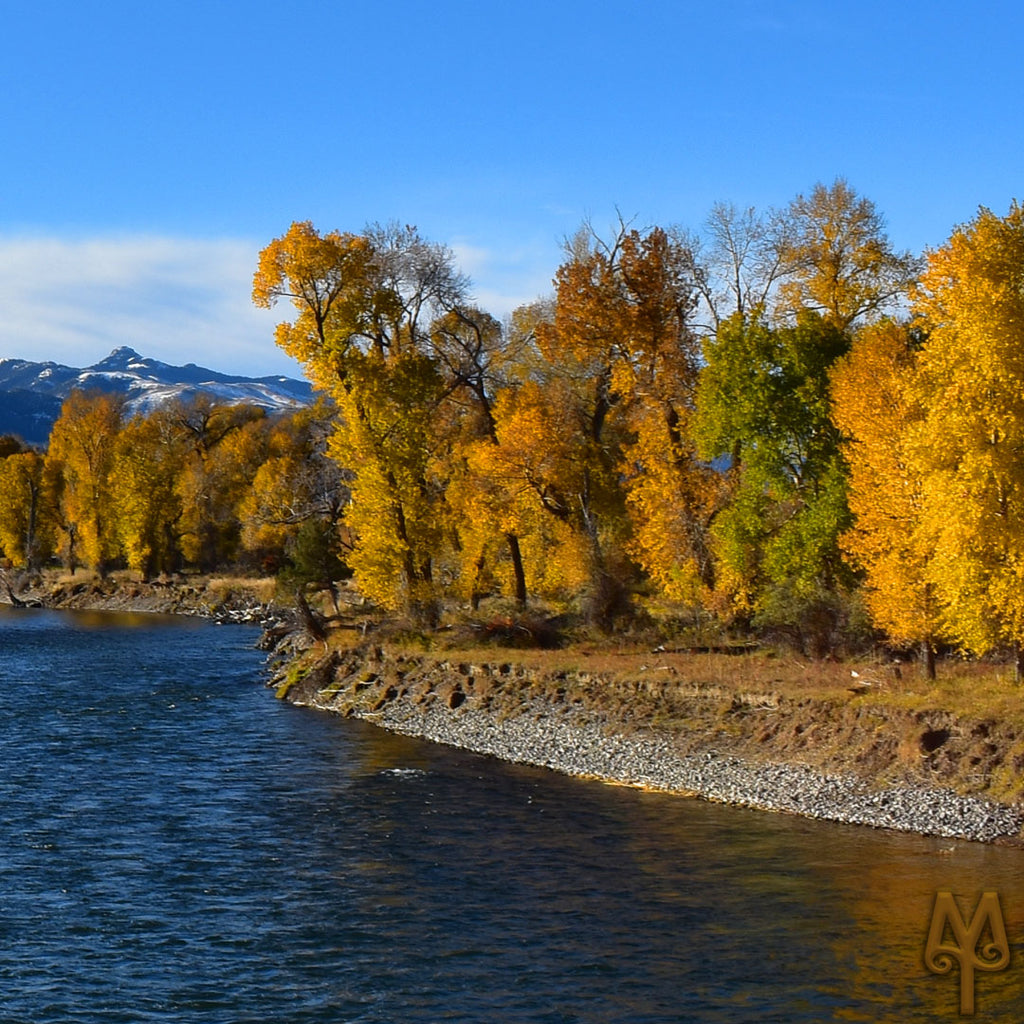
x,y
148,151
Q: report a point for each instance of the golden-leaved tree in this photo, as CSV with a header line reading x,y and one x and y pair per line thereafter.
x,y
26,509
837,258
594,449
364,308
876,407
224,445
969,444
477,362
81,451
295,484
671,494
149,454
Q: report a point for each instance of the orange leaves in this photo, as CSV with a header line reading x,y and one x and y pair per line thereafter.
x,y
326,279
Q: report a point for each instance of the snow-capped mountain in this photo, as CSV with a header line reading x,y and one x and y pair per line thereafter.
x,y
31,394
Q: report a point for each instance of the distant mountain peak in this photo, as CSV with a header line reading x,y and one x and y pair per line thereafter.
x,y
31,393
119,359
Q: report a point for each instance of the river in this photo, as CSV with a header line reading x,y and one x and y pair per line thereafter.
x,y
179,846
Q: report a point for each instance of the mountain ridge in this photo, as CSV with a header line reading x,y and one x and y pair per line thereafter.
x,y
31,393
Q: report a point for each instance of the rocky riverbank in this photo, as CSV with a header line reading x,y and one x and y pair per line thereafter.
x,y
866,764
222,599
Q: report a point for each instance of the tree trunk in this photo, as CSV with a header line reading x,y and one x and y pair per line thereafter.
x,y
517,569
1018,662
928,654
476,595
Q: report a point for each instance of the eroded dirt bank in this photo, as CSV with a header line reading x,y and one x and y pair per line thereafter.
x,y
854,758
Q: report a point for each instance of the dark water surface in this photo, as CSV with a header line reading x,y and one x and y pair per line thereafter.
x,y
178,846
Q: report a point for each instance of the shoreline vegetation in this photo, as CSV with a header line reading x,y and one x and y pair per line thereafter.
x,y
745,725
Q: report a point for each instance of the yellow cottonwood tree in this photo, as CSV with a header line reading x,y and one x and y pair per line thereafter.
x,y
621,334
969,445
396,510
477,360
837,258
362,328
671,494
26,512
148,457
538,467
82,446
326,277
294,483
225,444
875,406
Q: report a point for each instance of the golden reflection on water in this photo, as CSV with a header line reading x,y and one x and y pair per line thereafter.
x,y
863,894
751,909
892,901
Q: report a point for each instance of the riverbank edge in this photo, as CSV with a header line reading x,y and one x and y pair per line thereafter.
x,y
852,762
717,745
218,598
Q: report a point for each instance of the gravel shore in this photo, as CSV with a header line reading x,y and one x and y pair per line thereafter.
x,y
577,744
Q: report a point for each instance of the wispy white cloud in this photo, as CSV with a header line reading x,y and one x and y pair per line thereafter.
x,y
178,300
73,300
503,279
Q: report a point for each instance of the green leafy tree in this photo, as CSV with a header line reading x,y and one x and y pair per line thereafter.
x,y
763,406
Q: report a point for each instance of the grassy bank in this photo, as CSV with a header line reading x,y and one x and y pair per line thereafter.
x,y
207,595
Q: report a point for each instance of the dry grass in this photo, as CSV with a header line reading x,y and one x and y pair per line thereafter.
x,y
967,689
868,716
259,588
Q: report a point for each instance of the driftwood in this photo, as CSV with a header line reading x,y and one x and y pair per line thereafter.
x,y
311,622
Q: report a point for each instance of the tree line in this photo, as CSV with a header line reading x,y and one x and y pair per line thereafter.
x,y
779,423
196,485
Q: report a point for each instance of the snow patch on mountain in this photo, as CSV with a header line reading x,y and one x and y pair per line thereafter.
x,y
31,393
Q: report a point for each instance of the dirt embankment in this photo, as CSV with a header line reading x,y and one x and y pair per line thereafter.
x,y
859,735
690,707
221,598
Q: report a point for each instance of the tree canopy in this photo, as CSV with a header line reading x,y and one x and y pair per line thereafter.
x,y
780,424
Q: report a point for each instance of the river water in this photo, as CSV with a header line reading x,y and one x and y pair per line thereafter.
x,y
176,845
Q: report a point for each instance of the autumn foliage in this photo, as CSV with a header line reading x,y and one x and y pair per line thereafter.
x,y
784,425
